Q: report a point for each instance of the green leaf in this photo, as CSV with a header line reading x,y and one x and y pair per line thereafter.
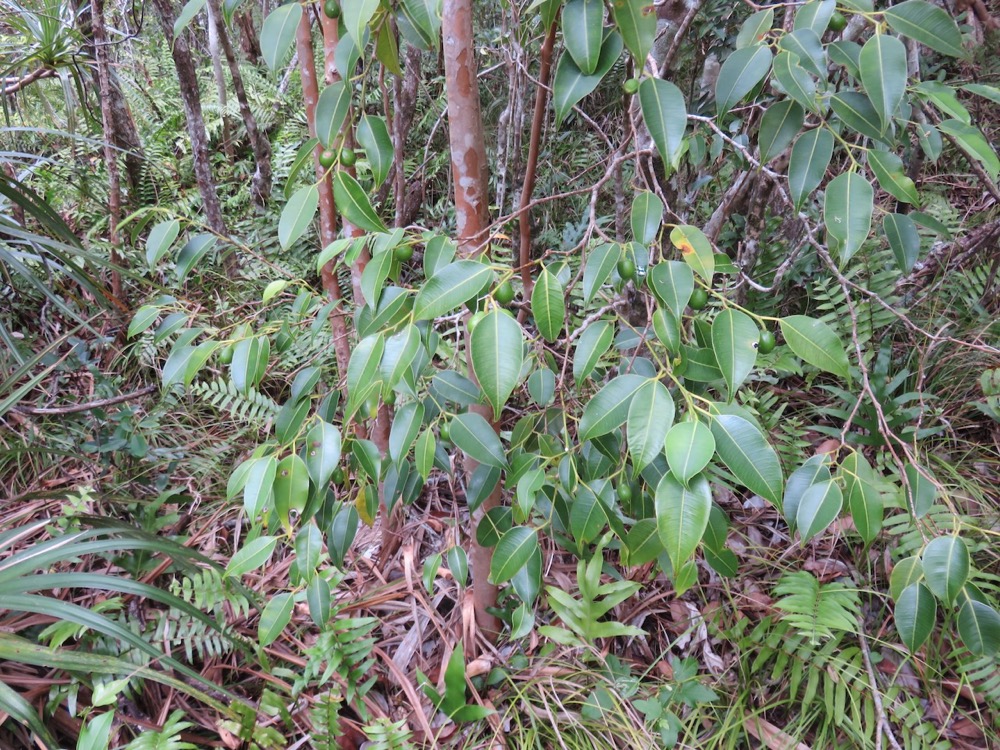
x,y
251,556
647,215
904,573
586,516
608,410
888,169
593,344
400,350
424,453
257,486
858,114
405,426
373,277
363,370
946,566
498,356
249,362
795,80
322,452
194,250
474,435
927,24
570,85
548,305
755,28
650,416
160,238
745,450
813,471
542,386
357,14
921,492
636,22
696,250
274,618
867,511
740,73
682,516
667,328
979,626
197,360
583,27
883,74
353,203
297,214
815,16
308,548
734,341
915,614
972,141
945,98
847,212
450,287
331,111
672,282
438,253
373,136
176,365
810,157
818,508
278,32
689,447
904,240
142,320
665,114
291,488
989,92
601,261
512,553
816,343
318,599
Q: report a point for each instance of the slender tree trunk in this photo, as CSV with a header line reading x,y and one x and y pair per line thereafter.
x,y
468,163
215,50
195,122
110,155
261,185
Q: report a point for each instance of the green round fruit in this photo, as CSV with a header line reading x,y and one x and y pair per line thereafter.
x,y
347,157
504,294
444,431
332,8
476,320
403,253
626,268
327,158
390,398
631,86
338,476
767,343
699,298
226,354
624,492
837,22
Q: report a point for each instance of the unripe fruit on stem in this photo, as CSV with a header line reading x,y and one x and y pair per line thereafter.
x,y
338,476
837,22
332,8
347,157
767,343
626,268
624,492
476,319
390,398
327,158
631,86
504,294
699,298
444,431
403,253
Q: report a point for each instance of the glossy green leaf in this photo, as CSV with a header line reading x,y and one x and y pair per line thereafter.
x,y
920,491
176,365
816,343
297,215
805,44
915,613
291,488
981,89
740,73
813,471
818,508
858,113
548,305
353,203
608,410
979,626
601,261
322,452
682,516
904,240
400,350
474,435
278,32
665,114
513,551
746,452
373,277
883,74
643,543
450,287
696,250
667,328
650,416
274,618
672,282
810,157
734,341
357,14
865,504
755,28
250,358
364,368
946,566
160,238
373,136
972,141
847,212
331,112
815,15
586,516
906,572
928,24
647,215
259,483
570,85
689,447
593,344
405,426
498,356
583,27
192,253
794,79
251,556
423,453
778,128
888,169
945,98
636,22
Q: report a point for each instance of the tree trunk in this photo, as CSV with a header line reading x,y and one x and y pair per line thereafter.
x,y
215,50
260,187
191,98
468,163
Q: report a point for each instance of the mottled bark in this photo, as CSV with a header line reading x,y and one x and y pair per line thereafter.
x,y
468,159
191,99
